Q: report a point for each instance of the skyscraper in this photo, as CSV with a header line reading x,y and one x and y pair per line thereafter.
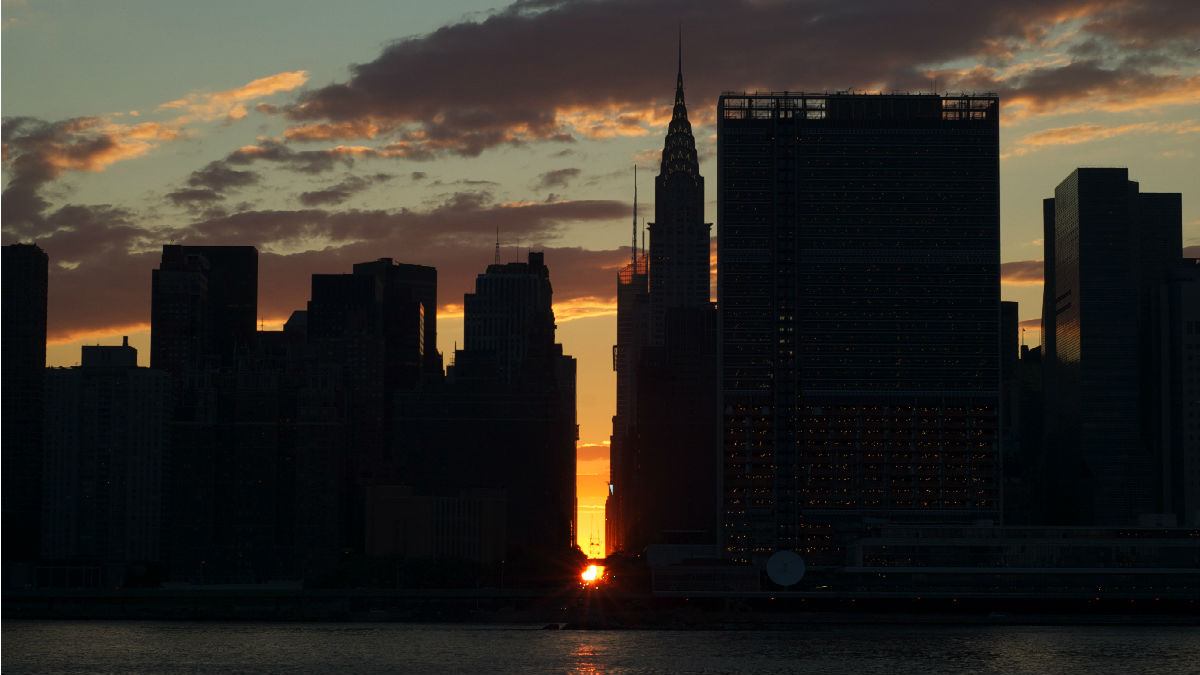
x,y
633,334
1109,252
204,305
664,431
859,294
24,363
509,320
679,237
505,420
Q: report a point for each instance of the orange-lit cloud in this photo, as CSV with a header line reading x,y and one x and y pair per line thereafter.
x,y
585,307
85,144
1085,133
231,103
586,452
1022,273
340,131
96,333
1096,90
609,120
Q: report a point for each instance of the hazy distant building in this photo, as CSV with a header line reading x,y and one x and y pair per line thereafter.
x,y
106,449
1109,251
859,294
24,360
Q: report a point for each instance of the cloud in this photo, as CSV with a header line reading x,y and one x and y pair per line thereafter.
x,y
1147,24
1022,272
1088,86
1085,133
536,72
36,152
586,452
303,161
231,104
218,177
344,190
557,178
462,217
193,196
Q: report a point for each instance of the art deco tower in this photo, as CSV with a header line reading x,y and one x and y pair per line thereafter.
x,y
663,449
679,237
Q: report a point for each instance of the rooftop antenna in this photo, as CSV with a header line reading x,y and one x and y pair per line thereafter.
x,y
643,237
497,244
680,70
634,249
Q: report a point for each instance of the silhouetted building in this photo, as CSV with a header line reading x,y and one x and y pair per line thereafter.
x,y
679,237
470,526
663,478
407,296
509,322
505,419
106,448
204,305
24,360
1179,299
1109,252
371,335
633,334
859,294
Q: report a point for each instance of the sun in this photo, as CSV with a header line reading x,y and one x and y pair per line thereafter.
x,y
594,574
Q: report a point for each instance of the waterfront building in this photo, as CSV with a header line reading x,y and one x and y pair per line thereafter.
x,y
1110,253
25,269
859,331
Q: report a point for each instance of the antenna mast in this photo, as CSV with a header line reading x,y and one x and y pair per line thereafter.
x,y
497,244
634,249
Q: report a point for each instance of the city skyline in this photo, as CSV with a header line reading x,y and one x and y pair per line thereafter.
x,y
527,119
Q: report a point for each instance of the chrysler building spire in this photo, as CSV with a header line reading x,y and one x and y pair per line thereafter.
x,y
679,149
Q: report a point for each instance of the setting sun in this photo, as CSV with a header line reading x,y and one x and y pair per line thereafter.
x,y
593,574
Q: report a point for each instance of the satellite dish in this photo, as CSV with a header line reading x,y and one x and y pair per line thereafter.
x,y
785,568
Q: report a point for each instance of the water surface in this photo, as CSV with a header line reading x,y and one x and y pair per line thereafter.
x,y
171,648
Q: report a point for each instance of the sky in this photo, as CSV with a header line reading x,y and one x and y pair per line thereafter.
x,y
332,133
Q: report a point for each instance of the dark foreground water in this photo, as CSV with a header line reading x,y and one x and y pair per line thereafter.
x,y
154,647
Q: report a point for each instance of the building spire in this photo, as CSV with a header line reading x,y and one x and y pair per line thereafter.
x,y
679,150
634,247
680,69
